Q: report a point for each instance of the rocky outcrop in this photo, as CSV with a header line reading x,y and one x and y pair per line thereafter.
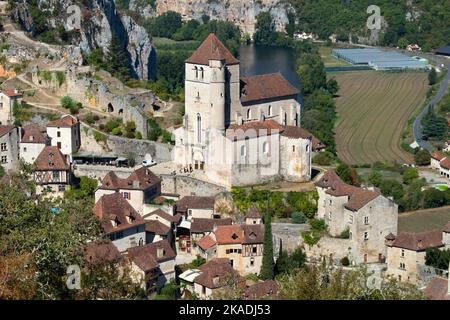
x,y
241,13
99,21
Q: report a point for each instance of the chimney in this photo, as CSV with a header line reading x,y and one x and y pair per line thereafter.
x,y
216,280
419,244
159,253
135,184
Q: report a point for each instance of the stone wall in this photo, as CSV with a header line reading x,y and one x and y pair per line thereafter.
x,y
186,186
122,147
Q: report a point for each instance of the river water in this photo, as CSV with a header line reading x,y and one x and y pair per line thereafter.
x,y
257,60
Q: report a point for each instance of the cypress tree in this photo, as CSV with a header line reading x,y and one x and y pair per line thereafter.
x,y
117,59
267,262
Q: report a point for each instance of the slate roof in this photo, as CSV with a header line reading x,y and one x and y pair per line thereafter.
x,y
253,212
140,179
212,49
266,86
113,207
51,159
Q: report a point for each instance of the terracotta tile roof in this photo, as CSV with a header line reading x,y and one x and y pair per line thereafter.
x,y
5,129
233,234
100,251
64,121
157,227
390,237
329,179
263,289
253,233
11,93
212,49
297,133
437,155
206,242
437,289
201,225
266,86
359,197
418,241
253,129
216,273
146,256
445,163
116,214
140,179
194,202
34,133
163,215
51,159
253,212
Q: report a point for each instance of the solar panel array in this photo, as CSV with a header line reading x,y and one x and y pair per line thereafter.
x,y
379,59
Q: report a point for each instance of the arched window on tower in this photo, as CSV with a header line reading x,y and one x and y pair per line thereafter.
x,y
285,119
196,71
199,128
270,111
249,114
266,147
202,72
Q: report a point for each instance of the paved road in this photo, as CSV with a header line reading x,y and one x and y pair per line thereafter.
x,y
417,126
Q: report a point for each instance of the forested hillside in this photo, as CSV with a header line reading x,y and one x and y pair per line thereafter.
x,y
426,22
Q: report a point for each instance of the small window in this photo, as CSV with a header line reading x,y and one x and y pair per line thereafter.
x,y
3,147
366,236
249,114
254,249
243,151
4,159
350,219
403,252
307,148
58,134
55,175
366,220
293,148
126,195
252,262
329,215
270,111
266,147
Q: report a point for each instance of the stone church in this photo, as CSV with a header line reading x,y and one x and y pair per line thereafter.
x,y
240,130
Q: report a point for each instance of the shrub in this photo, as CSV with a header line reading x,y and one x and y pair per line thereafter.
x,y
166,137
138,135
323,159
298,218
345,234
112,124
116,131
98,136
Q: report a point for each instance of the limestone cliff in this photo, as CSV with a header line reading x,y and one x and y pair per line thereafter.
x,y
99,20
241,12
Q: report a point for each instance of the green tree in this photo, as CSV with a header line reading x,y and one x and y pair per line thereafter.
x,y
402,43
432,77
165,25
433,198
392,188
264,28
422,158
347,174
267,268
332,86
409,175
375,178
117,61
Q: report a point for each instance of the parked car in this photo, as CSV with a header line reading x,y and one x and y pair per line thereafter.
x,y
149,163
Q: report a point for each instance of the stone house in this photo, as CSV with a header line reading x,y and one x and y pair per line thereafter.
x,y
243,245
253,216
120,221
51,171
33,140
207,247
153,264
138,188
65,134
406,252
9,147
254,133
364,214
436,158
262,290
160,225
7,98
195,207
215,275
100,251
438,289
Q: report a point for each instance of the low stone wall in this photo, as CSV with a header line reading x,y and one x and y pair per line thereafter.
x,y
289,234
329,247
186,186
